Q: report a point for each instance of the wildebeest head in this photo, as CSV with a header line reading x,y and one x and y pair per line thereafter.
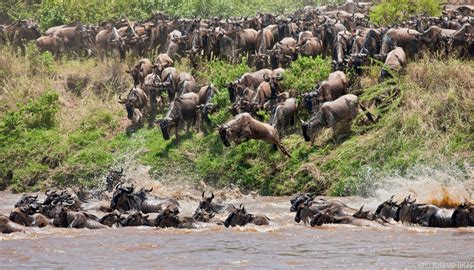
x,y
128,104
110,219
208,206
19,216
167,218
202,215
299,199
301,212
237,216
463,216
274,82
143,193
363,214
224,133
356,61
120,198
312,127
135,73
113,177
321,218
26,200
388,209
136,219
164,126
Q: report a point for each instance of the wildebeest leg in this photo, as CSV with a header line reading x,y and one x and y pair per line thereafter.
x,y
176,132
153,108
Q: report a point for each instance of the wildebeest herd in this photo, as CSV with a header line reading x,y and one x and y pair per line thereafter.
x,y
270,43
130,207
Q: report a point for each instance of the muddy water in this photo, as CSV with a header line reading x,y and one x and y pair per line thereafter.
x,y
283,244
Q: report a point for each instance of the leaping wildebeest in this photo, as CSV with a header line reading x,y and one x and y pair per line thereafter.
x,y
244,127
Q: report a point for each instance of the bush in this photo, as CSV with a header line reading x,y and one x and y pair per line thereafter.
x,y
305,72
396,11
221,73
56,12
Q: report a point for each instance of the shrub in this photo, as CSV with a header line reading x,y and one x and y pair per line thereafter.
x,y
305,72
396,11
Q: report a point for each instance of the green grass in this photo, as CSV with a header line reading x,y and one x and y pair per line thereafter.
x,y
54,136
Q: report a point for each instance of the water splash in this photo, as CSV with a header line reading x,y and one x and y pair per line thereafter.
x,y
444,186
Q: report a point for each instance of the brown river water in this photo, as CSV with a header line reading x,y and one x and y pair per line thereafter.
x,y
284,244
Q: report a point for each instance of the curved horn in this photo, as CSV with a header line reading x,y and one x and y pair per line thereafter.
x,y
203,194
212,195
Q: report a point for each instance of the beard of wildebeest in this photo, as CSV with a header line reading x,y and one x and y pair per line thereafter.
x,y
223,135
232,89
164,126
305,127
129,108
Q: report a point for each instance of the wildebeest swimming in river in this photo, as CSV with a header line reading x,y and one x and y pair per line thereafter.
x,y
240,217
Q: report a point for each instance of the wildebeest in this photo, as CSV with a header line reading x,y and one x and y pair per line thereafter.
x,y
250,80
125,199
202,216
240,217
8,226
283,52
163,61
343,109
140,71
109,40
182,111
307,209
113,178
244,127
299,199
326,216
343,46
26,200
331,89
20,31
168,218
394,62
21,217
205,106
285,115
463,215
388,210
208,206
111,219
135,219
69,219
136,104
51,43
310,48
408,39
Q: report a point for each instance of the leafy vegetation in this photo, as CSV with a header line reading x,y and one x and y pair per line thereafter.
x,y
395,11
56,12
